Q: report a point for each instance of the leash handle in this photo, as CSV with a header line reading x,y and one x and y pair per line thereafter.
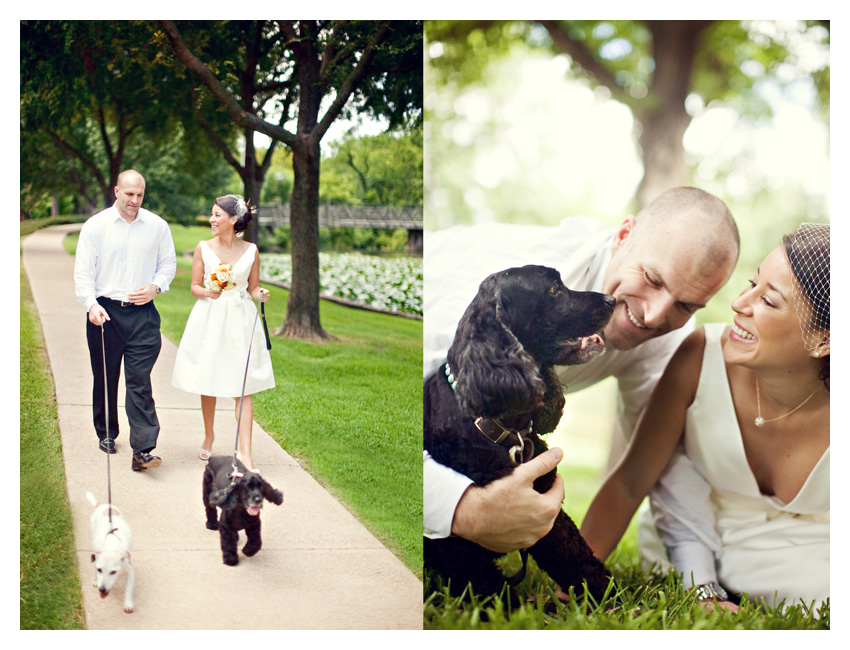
x,y
265,326
106,420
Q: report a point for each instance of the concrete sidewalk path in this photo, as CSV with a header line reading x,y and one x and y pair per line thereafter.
x,y
319,568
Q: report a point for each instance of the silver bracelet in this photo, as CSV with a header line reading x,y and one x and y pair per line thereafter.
x,y
711,590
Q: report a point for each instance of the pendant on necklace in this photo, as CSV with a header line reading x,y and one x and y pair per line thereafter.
x,y
759,421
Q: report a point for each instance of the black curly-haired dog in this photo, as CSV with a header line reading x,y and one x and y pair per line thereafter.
x,y
499,382
240,499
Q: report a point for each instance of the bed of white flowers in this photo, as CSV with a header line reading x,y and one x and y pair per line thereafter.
x,y
391,283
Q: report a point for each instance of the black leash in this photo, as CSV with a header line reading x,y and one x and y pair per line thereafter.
x,y
265,327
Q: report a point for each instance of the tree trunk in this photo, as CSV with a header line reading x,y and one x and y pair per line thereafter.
x,y
302,310
675,44
662,153
252,180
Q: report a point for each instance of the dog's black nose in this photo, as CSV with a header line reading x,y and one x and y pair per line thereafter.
x,y
610,300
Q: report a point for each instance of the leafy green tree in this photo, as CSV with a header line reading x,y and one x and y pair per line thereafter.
x,y
179,188
250,67
82,84
653,66
325,70
383,170
659,69
97,97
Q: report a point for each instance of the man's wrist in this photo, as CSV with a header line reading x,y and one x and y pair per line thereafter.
x,y
462,525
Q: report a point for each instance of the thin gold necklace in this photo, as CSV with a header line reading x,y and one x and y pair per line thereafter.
x,y
760,421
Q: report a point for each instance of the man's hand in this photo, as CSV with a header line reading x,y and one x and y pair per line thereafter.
x,y
508,514
143,295
98,315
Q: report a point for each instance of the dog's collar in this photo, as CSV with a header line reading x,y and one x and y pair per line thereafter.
x,y
520,449
450,376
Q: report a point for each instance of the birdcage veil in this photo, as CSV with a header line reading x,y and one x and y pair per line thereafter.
x,y
808,254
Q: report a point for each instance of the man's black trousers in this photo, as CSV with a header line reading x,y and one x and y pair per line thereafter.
x,y
132,335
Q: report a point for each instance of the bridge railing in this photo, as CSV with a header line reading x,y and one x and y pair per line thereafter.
x,y
332,215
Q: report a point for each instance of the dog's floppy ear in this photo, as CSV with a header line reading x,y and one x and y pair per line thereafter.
x,y
548,415
494,372
275,496
225,498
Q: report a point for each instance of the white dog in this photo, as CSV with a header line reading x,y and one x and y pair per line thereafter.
x,y
111,546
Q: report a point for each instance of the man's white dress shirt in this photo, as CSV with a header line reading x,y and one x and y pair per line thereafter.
x,y
114,257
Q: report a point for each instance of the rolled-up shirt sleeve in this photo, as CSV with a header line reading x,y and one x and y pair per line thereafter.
x,y
442,490
166,264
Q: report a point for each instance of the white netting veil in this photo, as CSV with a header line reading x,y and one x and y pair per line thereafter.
x,y
808,253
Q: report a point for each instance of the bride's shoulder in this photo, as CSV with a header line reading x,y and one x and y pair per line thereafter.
x,y
685,365
246,246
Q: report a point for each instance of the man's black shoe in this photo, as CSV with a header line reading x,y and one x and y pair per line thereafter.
x,y
107,445
144,460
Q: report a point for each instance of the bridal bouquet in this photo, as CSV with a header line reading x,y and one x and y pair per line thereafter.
x,y
221,278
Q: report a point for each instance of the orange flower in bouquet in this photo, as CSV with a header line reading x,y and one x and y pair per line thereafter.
x,y
221,278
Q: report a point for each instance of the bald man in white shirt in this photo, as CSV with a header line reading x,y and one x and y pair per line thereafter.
x,y
125,258
661,265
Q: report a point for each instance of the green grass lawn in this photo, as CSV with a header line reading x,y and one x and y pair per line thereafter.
x,y
50,594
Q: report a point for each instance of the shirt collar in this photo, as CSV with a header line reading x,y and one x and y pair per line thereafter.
x,y
140,215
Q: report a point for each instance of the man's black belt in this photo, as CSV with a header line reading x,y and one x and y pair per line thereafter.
x,y
120,303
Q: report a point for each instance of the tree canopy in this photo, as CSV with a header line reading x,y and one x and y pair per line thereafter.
x,y
96,99
665,72
384,169
322,71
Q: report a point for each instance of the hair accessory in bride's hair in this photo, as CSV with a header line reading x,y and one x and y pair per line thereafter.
x,y
808,254
233,204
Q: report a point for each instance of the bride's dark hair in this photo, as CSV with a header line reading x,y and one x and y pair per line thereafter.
x,y
236,206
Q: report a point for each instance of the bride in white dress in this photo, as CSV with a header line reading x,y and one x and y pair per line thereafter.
x,y
748,405
213,353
